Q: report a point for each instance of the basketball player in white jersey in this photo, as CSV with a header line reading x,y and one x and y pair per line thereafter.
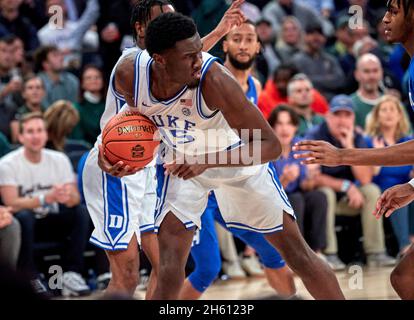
x,y
188,95
122,202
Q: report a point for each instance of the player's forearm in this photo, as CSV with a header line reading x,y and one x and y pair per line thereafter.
x,y
396,155
210,40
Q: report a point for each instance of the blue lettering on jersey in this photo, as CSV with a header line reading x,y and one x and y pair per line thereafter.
x,y
171,131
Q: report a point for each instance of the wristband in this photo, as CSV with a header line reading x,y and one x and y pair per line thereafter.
x,y
346,184
411,182
42,200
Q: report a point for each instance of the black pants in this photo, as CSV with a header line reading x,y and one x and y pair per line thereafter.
x,y
311,210
69,227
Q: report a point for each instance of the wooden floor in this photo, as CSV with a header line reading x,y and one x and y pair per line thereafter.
x,y
375,285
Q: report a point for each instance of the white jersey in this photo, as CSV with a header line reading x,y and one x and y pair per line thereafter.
x,y
185,123
114,100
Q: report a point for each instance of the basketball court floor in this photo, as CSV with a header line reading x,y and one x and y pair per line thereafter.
x,y
370,284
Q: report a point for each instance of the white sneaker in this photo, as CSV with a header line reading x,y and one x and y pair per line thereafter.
x,y
252,266
233,270
74,285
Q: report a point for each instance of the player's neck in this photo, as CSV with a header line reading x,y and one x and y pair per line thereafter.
x,y
240,75
161,85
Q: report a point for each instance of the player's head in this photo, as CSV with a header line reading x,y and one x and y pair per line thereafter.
x,y
399,20
32,132
242,45
143,12
173,42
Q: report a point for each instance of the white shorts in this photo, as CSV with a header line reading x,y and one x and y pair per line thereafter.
x,y
119,207
250,198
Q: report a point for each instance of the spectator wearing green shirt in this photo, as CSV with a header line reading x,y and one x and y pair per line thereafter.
x,y
91,105
59,84
300,99
369,74
4,145
33,94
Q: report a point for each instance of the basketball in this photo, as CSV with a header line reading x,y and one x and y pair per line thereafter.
x,y
129,137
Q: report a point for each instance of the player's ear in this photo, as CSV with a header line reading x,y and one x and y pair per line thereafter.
x,y
225,45
159,59
259,47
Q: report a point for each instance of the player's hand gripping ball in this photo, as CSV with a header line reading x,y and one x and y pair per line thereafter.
x,y
130,137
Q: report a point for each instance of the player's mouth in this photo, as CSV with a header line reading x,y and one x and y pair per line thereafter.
x,y
388,32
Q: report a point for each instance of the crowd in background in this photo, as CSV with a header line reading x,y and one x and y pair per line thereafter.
x,y
322,77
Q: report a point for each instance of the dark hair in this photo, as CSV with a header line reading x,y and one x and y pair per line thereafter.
x,y
407,5
141,12
274,115
166,30
285,67
104,85
40,56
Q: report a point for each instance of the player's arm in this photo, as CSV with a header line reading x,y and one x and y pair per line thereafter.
x,y
322,152
124,80
232,17
221,90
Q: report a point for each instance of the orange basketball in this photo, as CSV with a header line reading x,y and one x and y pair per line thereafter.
x,y
129,137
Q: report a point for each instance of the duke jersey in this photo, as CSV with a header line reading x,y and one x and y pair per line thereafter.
x,y
114,101
411,83
186,125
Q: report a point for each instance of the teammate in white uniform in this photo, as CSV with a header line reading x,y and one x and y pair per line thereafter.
x,y
121,201
187,94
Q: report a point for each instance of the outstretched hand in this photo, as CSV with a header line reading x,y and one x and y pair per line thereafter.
x,y
233,17
318,152
394,198
119,169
